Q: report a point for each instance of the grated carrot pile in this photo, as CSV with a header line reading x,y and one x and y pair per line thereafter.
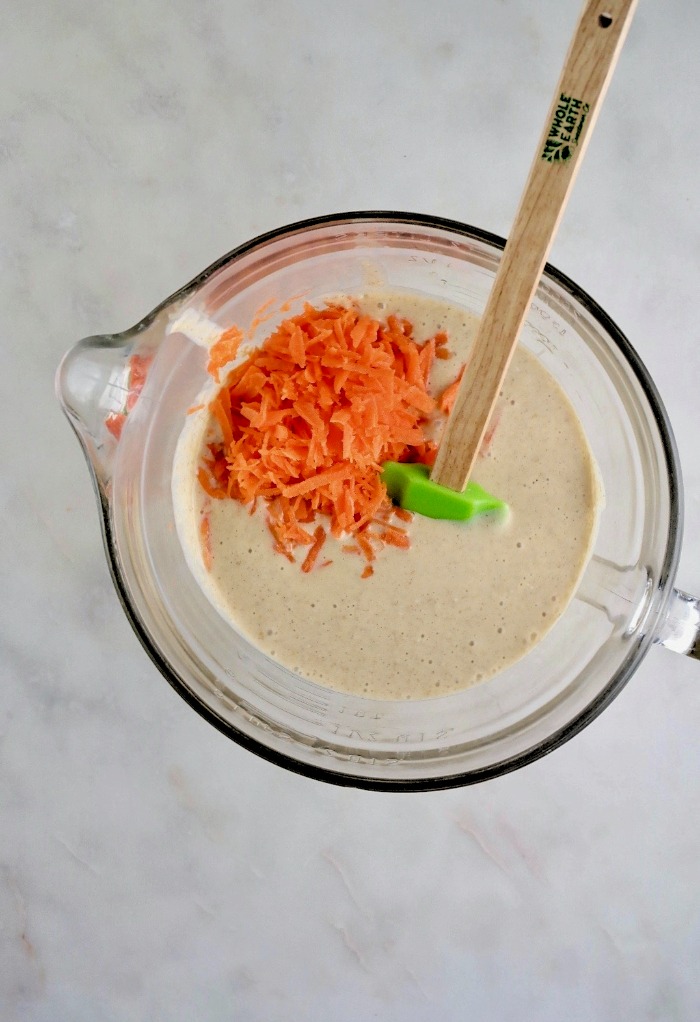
x,y
306,420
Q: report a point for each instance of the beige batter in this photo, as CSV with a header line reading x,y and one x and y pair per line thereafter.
x,y
467,599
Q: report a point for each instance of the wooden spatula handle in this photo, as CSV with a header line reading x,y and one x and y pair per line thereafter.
x,y
584,79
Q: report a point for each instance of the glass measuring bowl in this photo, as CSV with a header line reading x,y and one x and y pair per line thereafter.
x,y
127,395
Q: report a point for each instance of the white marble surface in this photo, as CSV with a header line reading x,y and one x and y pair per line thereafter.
x,y
149,868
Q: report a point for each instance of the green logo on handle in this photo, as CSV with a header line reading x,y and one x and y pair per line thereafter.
x,y
565,131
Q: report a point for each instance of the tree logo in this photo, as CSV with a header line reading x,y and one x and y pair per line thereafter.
x,y
565,131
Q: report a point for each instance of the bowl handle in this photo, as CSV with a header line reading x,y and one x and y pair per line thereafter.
x,y
680,630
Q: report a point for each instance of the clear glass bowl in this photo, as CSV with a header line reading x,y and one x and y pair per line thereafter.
x,y
126,396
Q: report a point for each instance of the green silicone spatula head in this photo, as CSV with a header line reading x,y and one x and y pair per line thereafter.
x,y
582,85
412,488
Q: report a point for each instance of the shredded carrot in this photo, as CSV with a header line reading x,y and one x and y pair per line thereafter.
x,y
224,350
205,535
138,371
286,306
368,570
211,489
305,421
447,398
319,540
115,424
316,482
365,545
138,366
194,408
441,349
261,316
396,538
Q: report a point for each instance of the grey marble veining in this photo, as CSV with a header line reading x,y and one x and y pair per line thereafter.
x,y
149,868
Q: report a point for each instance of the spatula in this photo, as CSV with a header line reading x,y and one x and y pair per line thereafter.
x,y
584,79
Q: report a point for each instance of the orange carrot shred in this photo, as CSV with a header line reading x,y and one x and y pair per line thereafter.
x,y
403,514
396,537
319,540
210,488
205,535
365,546
396,529
286,306
447,398
138,371
224,350
261,316
115,424
368,570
